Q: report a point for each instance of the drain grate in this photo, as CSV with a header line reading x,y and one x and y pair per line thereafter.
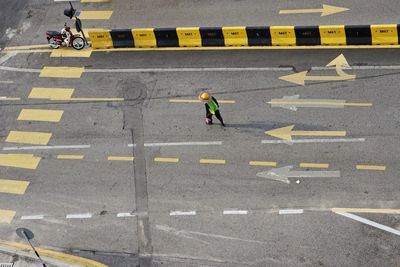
x,y
6,264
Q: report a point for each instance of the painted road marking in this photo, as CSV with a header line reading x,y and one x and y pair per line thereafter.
x,y
369,222
138,70
367,210
51,93
40,115
32,217
95,1
170,160
7,82
291,211
5,98
182,213
212,161
198,101
61,72
207,143
235,212
325,10
24,161
126,214
263,163
36,138
314,165
307,141
121,158
86,52
45,147
70,156
79,216
287,132
6,216
371,167
13,186
97,14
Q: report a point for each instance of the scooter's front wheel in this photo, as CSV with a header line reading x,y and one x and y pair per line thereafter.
x,y
78,43
53,43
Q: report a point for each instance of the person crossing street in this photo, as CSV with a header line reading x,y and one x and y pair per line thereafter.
x,y
212,108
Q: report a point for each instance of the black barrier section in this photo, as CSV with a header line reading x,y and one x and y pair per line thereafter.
x,y
258,36
307,35
166,37
358,35
122,38
212,37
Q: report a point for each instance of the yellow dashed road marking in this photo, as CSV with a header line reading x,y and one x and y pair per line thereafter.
x,y
315,165
24,161
170,160
13,186
121,158
366,210
6,216
262,163
35,138
70,156
61,72
198,101
51,93
40,115
86,52
371,167
212,161
103,14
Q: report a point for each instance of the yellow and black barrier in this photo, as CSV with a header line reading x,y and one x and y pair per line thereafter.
x,y
324,35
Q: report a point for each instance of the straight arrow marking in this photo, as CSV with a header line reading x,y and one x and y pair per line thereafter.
x,y
325,10
287,132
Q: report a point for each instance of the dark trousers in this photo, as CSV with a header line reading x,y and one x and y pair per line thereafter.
x,y
217,114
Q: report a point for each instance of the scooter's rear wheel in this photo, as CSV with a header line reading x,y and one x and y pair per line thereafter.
x,y
53,43
78,43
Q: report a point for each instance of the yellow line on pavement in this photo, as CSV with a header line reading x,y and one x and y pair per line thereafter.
x,y
13,186
95,14
51,93
314,165
198,101
87,52
95,99
6,216
70,156
24,161
65,259
40,115
23,47
61,72
121,158
212,161
170,160
263,163
10,98
367,210
371,167
35,138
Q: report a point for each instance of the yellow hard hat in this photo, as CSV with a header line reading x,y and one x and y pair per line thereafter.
x,y
204,96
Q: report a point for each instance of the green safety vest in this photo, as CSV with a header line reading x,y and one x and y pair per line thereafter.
x,y
213,107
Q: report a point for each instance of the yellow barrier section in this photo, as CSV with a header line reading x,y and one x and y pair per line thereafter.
x,y
144,37
384,34
235,36
332,35
283,35
101,39
189,37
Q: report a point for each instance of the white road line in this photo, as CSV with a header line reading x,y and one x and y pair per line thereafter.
x,y
387,67
305,141
7,82
126,214
182,213
6,57
32,217
235,212
20,69
207,143
291,211
79,216
45,147
369,222
138,70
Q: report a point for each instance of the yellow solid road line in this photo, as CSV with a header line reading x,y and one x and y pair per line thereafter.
x,y
95,99
212,161
6,216
371,167
71,53
51,93
10,98
315,165
61,72
66,259
198,101
40,115
121,158
23,47
366,210
98,14
35,138
262,163
169,160
24,161
13,186
70,156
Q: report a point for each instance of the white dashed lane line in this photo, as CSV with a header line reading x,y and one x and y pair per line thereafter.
x,y
235,212
291,211
125,214
32,217
182,213
79,216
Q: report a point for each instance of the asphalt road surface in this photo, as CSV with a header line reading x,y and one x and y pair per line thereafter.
x,y
118,166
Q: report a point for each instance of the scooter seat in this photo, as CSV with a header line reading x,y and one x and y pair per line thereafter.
x,y
53,33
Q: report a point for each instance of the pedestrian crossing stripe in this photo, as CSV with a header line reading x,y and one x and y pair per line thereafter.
x,y
51,93
6,216
13,186
94,15
24,161
35,138
87,52
61,72
40,115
